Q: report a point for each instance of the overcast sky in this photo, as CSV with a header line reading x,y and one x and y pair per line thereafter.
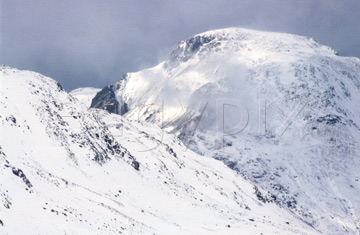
x,y
95,42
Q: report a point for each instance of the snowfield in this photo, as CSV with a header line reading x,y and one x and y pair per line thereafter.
x,y
69,170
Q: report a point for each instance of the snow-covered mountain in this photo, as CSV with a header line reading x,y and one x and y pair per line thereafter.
x,y
65,169
85,94
295,127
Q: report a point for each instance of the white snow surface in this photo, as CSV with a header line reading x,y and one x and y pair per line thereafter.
x,y
302,133
65,169
85,94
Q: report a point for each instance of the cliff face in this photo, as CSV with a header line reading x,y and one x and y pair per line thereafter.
x,y
105,99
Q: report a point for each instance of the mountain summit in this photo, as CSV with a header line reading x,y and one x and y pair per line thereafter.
x,y
280,109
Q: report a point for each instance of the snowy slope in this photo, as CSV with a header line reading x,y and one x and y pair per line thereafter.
x,y
85,94
65,169
298,116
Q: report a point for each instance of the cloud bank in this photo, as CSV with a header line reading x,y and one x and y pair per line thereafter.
x,y
94,43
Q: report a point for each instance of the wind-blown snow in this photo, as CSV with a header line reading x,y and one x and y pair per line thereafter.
x,y
85,94
301,141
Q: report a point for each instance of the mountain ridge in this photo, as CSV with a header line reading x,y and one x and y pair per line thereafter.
x,y
296,101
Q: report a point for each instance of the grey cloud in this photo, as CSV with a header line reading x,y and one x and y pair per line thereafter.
x,y
94,43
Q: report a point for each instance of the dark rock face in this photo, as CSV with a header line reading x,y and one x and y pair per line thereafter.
x,y
20,173
105,99
124,109
329,119
136,165
186,49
